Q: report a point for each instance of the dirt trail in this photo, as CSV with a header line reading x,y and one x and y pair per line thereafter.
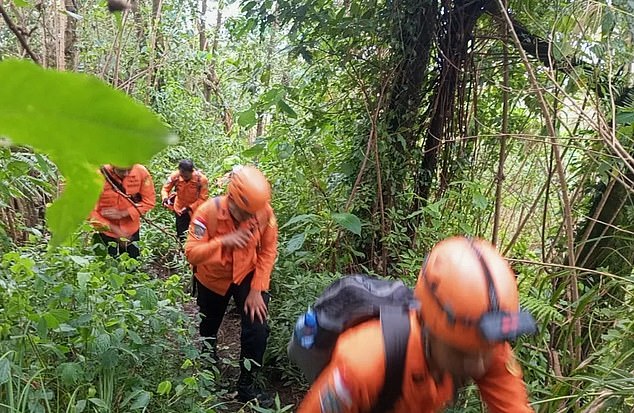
x,y
229,349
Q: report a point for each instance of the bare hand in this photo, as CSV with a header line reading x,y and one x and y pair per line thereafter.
x,y
254,306
239,238
114,213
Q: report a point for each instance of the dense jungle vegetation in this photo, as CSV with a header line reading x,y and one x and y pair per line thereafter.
x,y
384,126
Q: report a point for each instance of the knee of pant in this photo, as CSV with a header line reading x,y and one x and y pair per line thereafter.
x,y
256,330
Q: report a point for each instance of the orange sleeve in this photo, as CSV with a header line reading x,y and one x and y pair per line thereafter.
x,y
202,247
148,196
336,390
502,387
352,381
167,187
98,222
266,255
203,194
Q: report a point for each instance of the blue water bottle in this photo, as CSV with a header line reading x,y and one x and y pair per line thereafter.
x,y
306,329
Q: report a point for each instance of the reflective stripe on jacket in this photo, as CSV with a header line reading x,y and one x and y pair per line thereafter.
x,y
217,266
354,377
138,181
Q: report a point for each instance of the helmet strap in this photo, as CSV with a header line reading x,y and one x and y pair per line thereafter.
x,y
493,298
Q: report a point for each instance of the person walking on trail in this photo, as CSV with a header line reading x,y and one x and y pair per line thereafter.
x,y
232,246
128,193
468,311
191,189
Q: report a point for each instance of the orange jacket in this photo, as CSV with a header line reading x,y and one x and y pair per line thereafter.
x,y
353,379
216,267
190,193
137,181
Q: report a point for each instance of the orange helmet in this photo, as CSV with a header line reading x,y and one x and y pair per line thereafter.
x,y
469,296
249,189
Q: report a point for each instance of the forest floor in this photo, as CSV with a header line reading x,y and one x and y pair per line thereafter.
x,y
229,352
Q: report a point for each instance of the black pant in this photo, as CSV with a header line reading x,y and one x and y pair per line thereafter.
x,y
254,334
130,246
182,225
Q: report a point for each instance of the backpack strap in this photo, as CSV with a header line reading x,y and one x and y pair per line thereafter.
x,y
396,328
263,221
116,185
199,184
212,218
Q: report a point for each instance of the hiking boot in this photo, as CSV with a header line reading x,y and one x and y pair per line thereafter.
x,y
249,392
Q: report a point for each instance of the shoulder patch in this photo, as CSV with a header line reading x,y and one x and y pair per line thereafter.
x,y
513,366
335,397
199,228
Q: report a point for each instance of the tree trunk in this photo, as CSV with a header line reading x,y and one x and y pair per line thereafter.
x,y
211,82
60,20
70,34
599,240
456,34
505,130
139,27
407,89
155,49
259,131
413,27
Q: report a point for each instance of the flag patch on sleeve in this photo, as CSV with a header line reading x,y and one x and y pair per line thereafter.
x,y
199,228
336,397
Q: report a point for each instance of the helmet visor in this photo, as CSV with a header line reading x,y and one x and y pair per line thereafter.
x,y
496,326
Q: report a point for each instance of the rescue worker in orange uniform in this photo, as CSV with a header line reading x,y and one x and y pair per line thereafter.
x,y
232,246
191,189
127,194
465,287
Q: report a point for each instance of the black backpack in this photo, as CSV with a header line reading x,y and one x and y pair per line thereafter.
x,y
348,302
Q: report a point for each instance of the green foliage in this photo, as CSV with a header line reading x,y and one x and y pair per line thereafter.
x,y
97,333
292,86
293,289
80,123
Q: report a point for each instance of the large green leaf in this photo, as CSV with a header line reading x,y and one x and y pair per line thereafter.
x,y
349,221
141,400
5,370
295,243
303,219
283,106
247,118
81,123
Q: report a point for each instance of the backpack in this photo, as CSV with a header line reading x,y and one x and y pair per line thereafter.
x,y
348,302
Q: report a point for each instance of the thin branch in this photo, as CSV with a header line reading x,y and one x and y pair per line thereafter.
x,y
374,116
19,35
570,268
503,141
599,209
605,229
379,189
524,221
114,46
560,170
